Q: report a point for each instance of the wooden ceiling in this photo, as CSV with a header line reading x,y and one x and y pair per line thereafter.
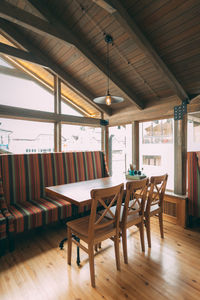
x,y
154,60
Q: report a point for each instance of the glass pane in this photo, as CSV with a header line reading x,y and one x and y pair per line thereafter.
x,y
193,134
120,143
80,138
68,110
25,92
19,136
157,149
5,64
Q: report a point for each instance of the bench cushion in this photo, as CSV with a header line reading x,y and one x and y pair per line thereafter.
x,y
33,214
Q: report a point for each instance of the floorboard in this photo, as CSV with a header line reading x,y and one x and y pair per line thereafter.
x,y
38,269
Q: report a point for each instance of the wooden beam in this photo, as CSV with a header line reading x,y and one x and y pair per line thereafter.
x,y
60,31
17,35
57,110
41,6
180,155
135,144
20,17
105,5
124,19
29,114
18,53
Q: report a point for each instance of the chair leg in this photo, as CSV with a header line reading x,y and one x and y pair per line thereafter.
x,y
117,256
124,244
141,228
91,262
69,242
148,230
161,225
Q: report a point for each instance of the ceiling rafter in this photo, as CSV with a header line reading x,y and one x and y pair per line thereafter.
x,y
117,9
56,29
18,53
17,35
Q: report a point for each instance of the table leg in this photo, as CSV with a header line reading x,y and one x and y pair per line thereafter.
x,y
61,245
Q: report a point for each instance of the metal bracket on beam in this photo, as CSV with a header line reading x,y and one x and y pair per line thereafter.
x,y
104,122
180,110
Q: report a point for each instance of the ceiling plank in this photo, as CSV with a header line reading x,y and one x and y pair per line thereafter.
x,y
18,53
55,29
82,47
105,5
122,16
17,35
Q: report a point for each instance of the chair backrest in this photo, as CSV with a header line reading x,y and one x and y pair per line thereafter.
x,y
136,192
106,198
156,192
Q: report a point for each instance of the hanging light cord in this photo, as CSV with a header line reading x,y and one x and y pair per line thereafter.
x,y
86,13
108,66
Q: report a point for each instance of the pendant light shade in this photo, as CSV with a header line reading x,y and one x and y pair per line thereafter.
x,y
108,99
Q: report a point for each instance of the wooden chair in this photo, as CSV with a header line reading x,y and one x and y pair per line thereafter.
x,y
133,212
154,207
96,228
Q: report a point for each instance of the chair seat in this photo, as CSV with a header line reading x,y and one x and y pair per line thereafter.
x,y
154,209
81,226
33,214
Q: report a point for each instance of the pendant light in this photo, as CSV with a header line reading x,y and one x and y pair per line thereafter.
x,y
108,99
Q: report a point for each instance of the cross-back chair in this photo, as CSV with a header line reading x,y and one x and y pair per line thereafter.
x,y
133,212
155,201
96,228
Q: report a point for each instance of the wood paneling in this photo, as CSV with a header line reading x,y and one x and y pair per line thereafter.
x,y
171,28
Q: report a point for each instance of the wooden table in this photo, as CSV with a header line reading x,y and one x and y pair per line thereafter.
x,y
78,193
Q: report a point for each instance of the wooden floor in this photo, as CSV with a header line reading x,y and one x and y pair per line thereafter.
x,y
38,268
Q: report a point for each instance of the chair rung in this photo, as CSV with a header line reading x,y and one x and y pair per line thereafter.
x,y
80,245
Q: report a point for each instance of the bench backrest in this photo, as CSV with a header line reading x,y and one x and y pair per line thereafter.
x,y
193,169
24,176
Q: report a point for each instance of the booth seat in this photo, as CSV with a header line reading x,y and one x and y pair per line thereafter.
x,y
3,233
23,178
193,167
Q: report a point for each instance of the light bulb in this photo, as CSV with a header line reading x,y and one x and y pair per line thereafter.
x,y
108,100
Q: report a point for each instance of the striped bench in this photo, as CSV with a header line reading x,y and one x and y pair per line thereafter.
x,y
23,178
3,234
193,168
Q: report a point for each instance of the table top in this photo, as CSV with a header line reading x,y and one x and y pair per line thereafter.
x,y
78,193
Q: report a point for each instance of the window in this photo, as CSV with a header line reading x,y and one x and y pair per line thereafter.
x,y
151,160
80,138
193,132
157,132
120,151
67,110
19,136
157,149
25,91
